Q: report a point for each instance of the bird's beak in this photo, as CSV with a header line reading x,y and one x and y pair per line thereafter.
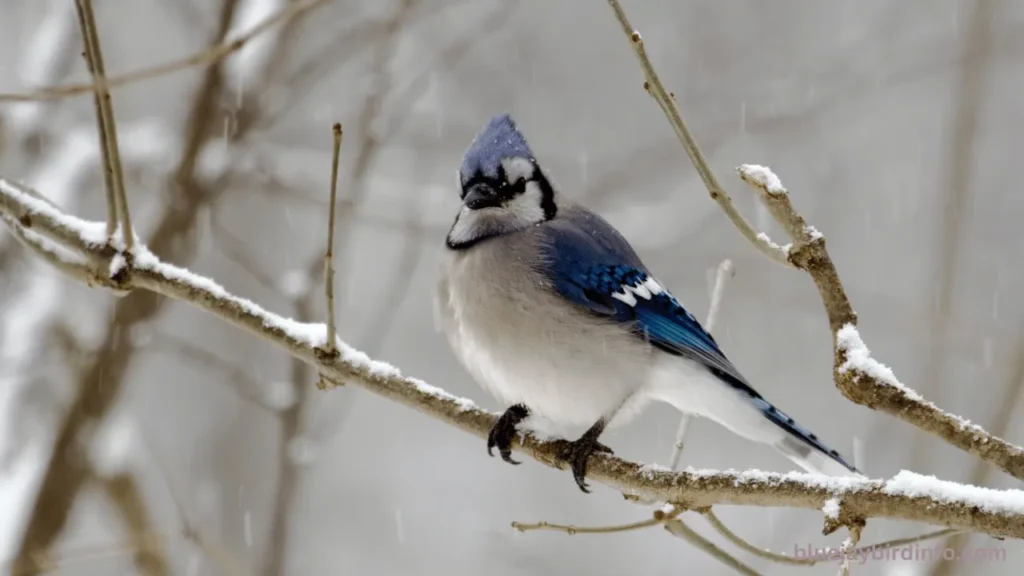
x,y
481,196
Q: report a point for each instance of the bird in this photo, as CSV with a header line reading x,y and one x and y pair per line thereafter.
x,y
549,308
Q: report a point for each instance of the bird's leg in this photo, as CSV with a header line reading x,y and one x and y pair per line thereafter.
x,y
578,452
504,430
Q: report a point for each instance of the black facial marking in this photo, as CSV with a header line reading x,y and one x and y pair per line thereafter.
x,y
481,191
499,189
547,194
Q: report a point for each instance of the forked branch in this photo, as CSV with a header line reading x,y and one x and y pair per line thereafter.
x,y
859,377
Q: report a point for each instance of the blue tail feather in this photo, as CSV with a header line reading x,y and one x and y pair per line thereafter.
x,y
782,420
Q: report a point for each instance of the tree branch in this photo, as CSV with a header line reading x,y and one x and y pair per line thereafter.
x,y
329,253
100,383
677,528
667,101
207,56
109,149
124,492
94,61
860,378
907,496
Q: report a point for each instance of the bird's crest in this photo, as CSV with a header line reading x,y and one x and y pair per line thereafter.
x,y
499,140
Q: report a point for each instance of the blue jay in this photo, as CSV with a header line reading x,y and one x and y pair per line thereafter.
x,y
549,308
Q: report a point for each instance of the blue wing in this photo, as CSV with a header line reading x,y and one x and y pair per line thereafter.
x,y
591,264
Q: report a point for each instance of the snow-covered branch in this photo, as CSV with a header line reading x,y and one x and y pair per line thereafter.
x,y
860,378
906,496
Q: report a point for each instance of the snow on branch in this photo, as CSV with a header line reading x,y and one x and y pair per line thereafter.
x,y
861,378
862,381
907,496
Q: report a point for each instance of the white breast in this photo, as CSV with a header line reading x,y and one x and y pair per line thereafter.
x,y
523,345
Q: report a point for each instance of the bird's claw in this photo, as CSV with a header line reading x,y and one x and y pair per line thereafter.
x,y
504,430
577,453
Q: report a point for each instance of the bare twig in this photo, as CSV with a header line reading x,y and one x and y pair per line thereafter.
x,y
117,201
669,520
234,249
994,512
677,528
667,102
243,383
739,542
294,420
659,518
208,56
725,270
124,492
865,381
330,348
219,553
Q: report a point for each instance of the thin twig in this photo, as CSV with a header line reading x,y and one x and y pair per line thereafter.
x,y
725,270
234,250
677,527
667,101
117,199
332,336
669,519
206,56
220,554
108,172
573,530
724,530
294,422
241,381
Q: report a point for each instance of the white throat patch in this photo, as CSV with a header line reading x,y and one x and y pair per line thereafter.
x,y
520,212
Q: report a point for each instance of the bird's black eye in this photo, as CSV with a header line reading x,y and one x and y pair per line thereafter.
x,y
514,188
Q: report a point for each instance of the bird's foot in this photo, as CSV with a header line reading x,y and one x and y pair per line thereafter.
x,y
504,430
578,452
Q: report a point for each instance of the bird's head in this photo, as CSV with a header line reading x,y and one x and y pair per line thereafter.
x,y
503,188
